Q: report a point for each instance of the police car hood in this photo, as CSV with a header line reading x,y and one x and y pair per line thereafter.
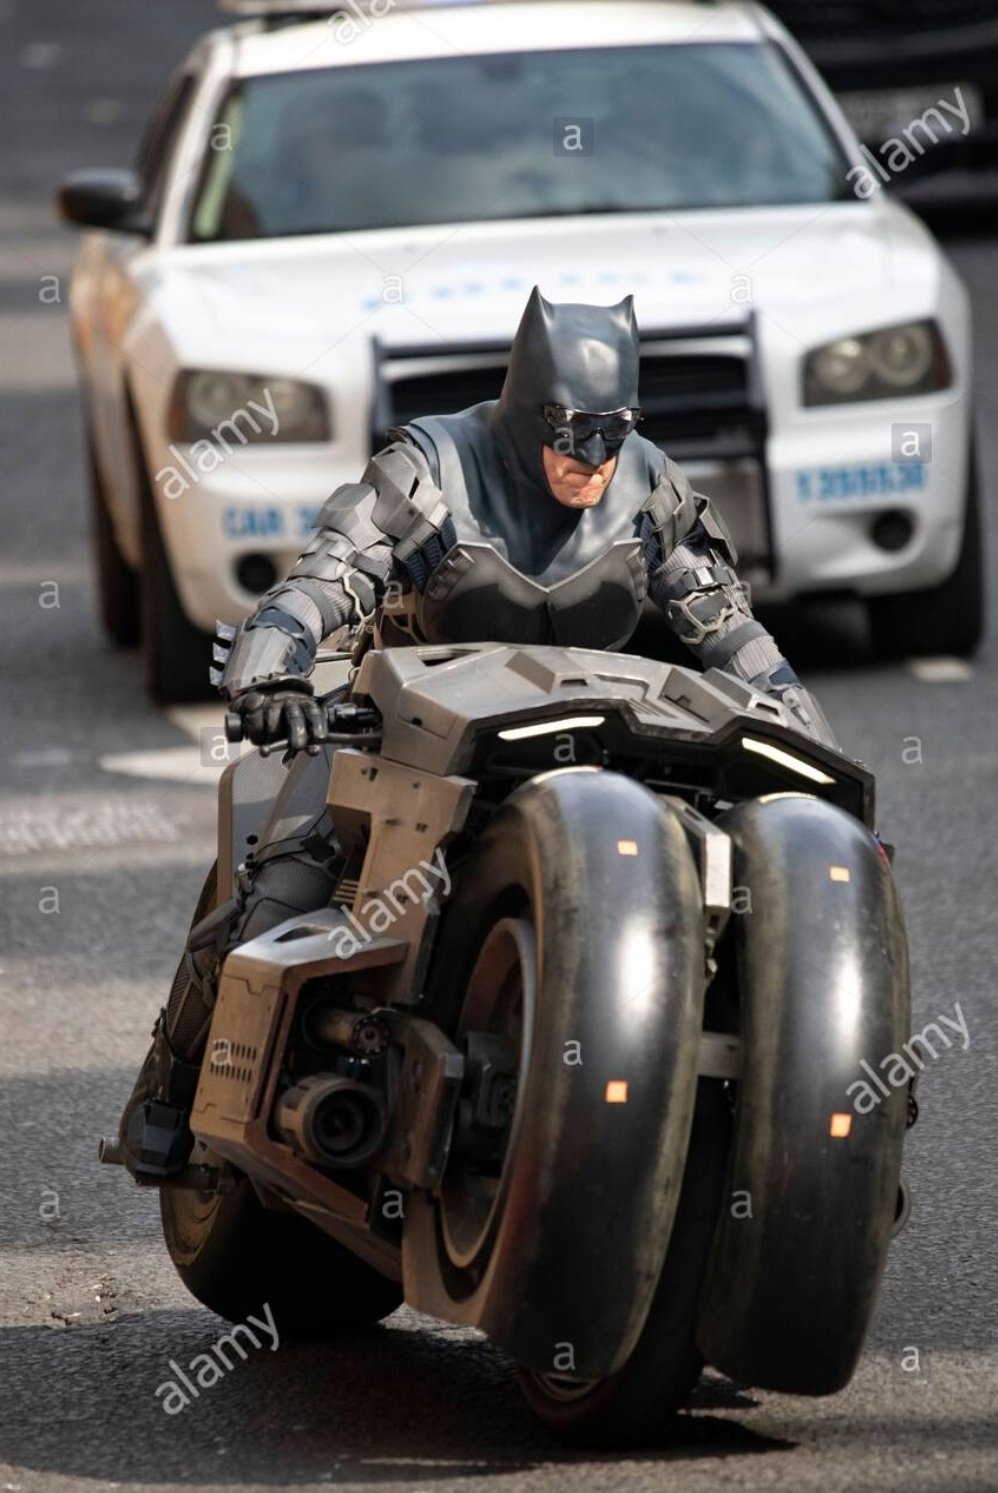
x,y
315,302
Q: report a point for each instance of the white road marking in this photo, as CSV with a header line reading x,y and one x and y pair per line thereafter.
x,y
50,366
196,719
195,849
32,573
48,757
40,55
203,762
182,764
941,670
103,110
35,260
80,822
200,763
26,216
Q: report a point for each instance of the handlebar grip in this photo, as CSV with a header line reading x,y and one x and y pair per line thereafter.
x,y
233,726
352,718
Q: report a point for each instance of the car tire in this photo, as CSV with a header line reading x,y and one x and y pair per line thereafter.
x,y
117,583
946,619
176,654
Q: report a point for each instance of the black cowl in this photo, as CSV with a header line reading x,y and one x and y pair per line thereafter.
x,y
488,459
581,357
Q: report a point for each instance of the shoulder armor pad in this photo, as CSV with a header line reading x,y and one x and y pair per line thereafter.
x,y
671,507
409,507
345,533
349,511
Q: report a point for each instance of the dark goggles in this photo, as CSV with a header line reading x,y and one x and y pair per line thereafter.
x,y
613,425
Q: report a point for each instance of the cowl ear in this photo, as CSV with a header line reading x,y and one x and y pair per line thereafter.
x,y
625,311
538,311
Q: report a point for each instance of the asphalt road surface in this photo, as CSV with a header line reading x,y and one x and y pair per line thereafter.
x,y
105,825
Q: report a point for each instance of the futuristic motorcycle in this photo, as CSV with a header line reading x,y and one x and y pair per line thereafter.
x,y
568,1059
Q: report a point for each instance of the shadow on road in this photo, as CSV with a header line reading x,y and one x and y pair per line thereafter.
x,y
388,1404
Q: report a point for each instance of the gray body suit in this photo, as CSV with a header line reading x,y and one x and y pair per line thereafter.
x,y
453,535
429,546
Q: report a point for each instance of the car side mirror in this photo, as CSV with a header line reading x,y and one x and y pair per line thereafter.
x,y
105,198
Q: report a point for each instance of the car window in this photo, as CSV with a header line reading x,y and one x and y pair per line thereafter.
x,y
469,138
160,136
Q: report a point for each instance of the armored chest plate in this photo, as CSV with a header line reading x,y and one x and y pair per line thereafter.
x,y
475,593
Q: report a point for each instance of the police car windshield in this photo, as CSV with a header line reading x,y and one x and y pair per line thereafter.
x,y
470,138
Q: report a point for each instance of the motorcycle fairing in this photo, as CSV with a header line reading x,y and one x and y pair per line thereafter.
x,y
438,704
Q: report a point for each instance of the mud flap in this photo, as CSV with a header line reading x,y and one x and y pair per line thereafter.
x,y
823,979
605,1102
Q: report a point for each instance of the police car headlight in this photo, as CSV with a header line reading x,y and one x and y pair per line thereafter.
x,y
209,404
907,359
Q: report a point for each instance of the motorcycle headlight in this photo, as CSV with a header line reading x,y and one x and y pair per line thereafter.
x,y
907,359
211,404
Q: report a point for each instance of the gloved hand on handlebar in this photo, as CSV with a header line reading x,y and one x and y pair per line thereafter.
x,y
286,710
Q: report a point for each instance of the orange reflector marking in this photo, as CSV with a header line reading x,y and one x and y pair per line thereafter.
x,y
839,1126
627,847
840,873
616,1091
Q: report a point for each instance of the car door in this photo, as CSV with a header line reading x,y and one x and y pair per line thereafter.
x,y
106,267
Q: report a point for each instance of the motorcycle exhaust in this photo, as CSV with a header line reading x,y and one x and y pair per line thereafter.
x,y
332,1121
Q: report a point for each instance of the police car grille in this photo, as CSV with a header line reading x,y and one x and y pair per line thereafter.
x,y
444,392
695,404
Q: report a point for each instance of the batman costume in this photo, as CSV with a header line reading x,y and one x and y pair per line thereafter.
x,y
455,534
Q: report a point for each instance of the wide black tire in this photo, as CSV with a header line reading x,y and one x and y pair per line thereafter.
x,y
823,989
637,1406
559,1240
117,583
946,619
176,654
234,1255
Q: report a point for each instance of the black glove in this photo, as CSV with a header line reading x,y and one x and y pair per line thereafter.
x,y
284,711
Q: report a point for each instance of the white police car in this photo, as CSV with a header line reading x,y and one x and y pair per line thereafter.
x,y
334,223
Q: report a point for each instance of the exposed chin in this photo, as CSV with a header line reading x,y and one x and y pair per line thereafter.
x,y
574,483
584,498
